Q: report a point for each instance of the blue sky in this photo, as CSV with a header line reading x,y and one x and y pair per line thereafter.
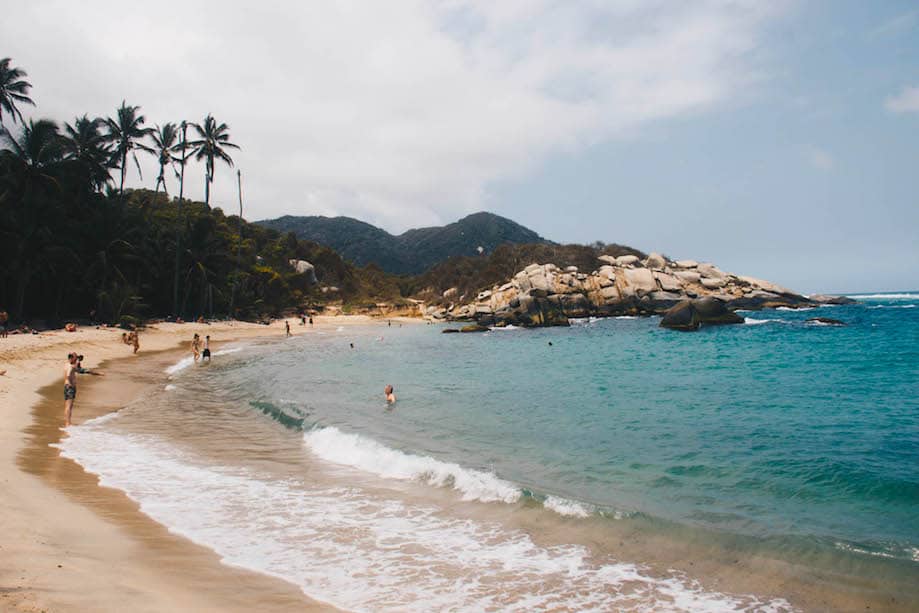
x,y
808,180
778,139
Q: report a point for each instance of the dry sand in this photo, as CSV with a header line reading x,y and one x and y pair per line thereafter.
x,y
68,544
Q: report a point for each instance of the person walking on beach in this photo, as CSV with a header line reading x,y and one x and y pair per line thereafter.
x,y
135,340
73,367
196,347
206,354
390,394
287,328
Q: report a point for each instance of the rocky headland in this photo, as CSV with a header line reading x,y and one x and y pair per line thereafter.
x,y
687,293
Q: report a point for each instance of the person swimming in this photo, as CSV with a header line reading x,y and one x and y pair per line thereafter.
x,y
390,394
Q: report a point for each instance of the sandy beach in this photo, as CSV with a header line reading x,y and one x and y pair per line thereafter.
x,y
70,545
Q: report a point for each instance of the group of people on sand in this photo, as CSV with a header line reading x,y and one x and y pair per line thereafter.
x,y
201,350
131,338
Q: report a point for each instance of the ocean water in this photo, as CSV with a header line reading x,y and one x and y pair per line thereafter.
x,y
515,461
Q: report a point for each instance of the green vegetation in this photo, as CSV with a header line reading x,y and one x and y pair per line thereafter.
x,y
414,251
73,247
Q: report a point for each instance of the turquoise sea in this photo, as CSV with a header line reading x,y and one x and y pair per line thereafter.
x,y
518,465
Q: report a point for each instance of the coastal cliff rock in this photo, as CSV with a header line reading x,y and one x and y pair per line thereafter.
x,y
689,292
691,314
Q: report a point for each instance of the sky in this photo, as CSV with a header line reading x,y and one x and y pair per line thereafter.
x,y
776,139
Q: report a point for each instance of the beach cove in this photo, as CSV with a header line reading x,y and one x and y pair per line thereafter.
x,y
318,437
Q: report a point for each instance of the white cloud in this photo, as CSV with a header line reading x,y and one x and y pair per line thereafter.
x,y
401,113
907,101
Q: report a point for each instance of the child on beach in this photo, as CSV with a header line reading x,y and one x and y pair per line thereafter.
x,y
286,327
196,347
390,395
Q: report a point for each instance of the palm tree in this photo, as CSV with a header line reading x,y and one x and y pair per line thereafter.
x,y
33,159
165,138
125,131
86,144
210,147
13,89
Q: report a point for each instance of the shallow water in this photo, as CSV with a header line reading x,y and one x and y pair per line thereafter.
x,y
508,464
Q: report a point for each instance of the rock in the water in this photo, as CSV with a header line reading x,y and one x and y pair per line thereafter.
x,y
449,331
691,314
825,299
827,321
473,328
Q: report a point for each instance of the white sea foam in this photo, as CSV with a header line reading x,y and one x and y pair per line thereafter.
x,y
358,551
169,387
755,322
627,317
502,328
188,361
893,306
903,296
781,308
368,455
568,508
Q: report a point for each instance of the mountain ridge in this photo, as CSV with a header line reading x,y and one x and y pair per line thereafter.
x,y
412,252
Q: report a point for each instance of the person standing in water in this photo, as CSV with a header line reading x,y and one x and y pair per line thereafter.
x,y
196,347
206,354
390,394
71,369
135,340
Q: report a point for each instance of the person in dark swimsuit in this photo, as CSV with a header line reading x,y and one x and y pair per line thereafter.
x,y
206,354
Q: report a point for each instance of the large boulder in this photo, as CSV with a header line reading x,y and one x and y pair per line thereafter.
x,y
640,281
691,314
655,261
711,271
626,260
668,283
302,267
686,263
687,276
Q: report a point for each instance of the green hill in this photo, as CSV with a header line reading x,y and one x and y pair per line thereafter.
x,y
413,251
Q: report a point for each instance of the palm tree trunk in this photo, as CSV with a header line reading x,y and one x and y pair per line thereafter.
x,y
21,292
207,190
175,286
124,162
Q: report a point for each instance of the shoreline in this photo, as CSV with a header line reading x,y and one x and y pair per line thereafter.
x,y
72,545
